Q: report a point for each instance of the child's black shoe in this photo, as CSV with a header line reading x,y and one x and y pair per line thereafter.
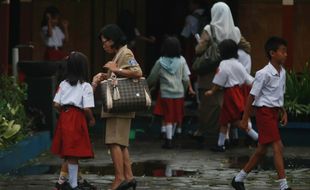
x,y
237,185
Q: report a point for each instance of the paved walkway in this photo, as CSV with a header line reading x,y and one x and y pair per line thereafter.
x,y
185,166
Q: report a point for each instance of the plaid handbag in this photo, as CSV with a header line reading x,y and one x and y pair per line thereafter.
x,y
125,95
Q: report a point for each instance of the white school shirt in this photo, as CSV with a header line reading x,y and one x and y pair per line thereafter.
x,y
56,40
245,60
269,87
231,73
80,95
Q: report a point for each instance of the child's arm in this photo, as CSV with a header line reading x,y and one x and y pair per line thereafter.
x,y
247,113
90,117
57,106
283,120
213,90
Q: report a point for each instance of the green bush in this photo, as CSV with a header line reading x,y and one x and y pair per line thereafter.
x,y
14,123
297,96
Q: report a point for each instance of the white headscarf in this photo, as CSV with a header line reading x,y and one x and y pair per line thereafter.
x,y
223,23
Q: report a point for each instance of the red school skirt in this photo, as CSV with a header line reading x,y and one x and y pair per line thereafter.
x,y
171,109
71,138
233,105
267,124
53,54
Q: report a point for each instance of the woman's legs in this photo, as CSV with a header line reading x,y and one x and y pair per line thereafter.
x,y
118,161
127,164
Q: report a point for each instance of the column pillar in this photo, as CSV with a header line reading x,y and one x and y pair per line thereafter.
x,y
288,29
4,36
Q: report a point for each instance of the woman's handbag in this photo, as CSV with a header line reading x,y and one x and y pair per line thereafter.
x,y
210,59
125,95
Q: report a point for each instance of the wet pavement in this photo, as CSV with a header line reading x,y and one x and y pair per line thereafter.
x,y
184,167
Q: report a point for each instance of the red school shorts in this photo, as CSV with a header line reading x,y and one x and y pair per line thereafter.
x,y
267,120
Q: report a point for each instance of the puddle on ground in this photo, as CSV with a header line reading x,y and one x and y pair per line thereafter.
x,y
268,164
155,168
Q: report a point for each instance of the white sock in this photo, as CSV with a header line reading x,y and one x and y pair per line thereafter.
x,y
240,177
235,134
169,131
283,184
163,129
249,124
62,177
73,173
221,140
179,130
253,134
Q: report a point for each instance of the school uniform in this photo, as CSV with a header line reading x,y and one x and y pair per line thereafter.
x,y
118,124
53,43
268,89
172,73
71,136
231,75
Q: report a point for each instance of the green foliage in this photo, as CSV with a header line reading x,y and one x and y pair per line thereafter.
x,y
14,123
297,96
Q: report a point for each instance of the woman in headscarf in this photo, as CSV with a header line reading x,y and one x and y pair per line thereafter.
x,y
223,27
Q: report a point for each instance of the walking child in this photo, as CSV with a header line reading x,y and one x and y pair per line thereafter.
x,y
230,75
74,100
267,98
172,72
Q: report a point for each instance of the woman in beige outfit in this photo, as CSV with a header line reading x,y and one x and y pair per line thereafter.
x,y
118,124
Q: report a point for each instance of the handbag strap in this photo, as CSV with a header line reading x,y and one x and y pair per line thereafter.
x,y
213,38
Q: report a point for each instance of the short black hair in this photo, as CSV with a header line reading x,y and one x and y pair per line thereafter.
x,y
273,43
77,68
53,11
113,32
228,49
171,47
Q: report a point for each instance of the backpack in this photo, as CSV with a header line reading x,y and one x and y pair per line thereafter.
x,y
202,20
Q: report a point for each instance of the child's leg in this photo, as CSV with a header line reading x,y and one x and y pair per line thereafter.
x,y
221,140
253,134
260,152
63,177
73,169
279,163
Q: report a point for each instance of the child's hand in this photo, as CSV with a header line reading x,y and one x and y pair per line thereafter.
x,y
283,120
209,93
65,23
91,122
191,92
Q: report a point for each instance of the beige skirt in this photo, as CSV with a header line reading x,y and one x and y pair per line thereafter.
x,y
117,131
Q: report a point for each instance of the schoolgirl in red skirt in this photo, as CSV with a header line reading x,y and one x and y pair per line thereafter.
x,y
172,72
74,100
54,35
230,76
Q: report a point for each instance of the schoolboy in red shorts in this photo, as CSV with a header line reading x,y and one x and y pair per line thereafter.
x,y
267,98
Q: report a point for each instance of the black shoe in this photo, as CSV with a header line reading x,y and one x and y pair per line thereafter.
x,y
218,148
237,185
288,188
122,186
168,144
77,188
87,186
227,144
64,186
132,183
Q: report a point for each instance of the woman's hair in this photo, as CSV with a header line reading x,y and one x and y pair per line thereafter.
x,y
77,68
171,47
273,44
114,33
53,11
228,49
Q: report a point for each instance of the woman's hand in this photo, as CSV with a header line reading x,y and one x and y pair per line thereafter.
x,y
209,93
111,65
